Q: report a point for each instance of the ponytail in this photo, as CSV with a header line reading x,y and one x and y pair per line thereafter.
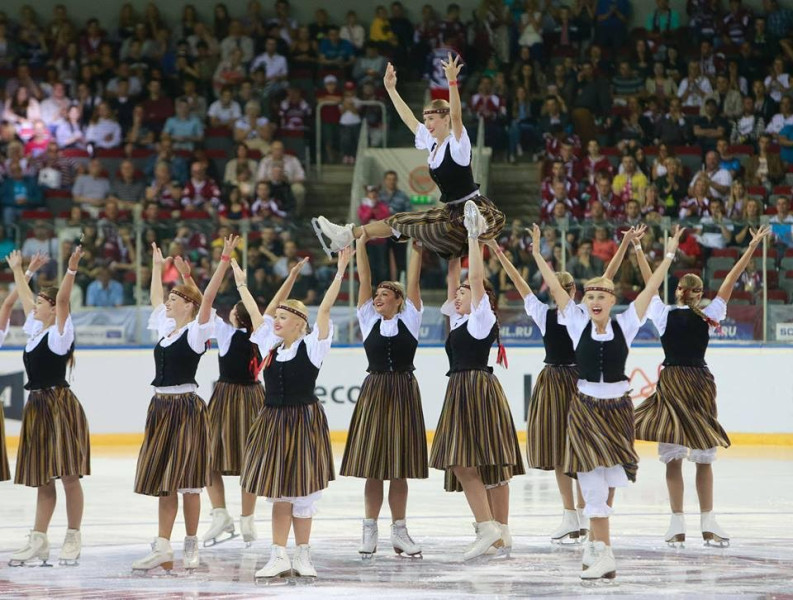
x,y
688,301
256,364
501,356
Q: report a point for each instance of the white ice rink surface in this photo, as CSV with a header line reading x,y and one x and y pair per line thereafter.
x,y
754,502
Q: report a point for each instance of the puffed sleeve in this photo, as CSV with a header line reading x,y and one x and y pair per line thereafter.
x,y
482,319
630,323
318,349
32,326
658,312
264,336
160,323
424,139
223,333
461,149
367,318
411,317
59,342
4,332
716,310
448,309
199,334
575,318
537,310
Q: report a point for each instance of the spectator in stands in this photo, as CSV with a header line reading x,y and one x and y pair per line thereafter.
x,y
673,129
672,187
728,101
330,115
602,194
90,190
584,265
652,208
735,204
390,193
590,97
267,209
128,189
281,266
611,20
22,109
747,128
782,224
335,52
353,31
603,246
493,110
369,67
236,38
660,84
626,83
104,291
749,219
631,182
157,107
728,161
658,168
522,128
54,108
253,128
24,79
717,179
633,214
714,229
693,90
294,112
292,171
371,209
200,192
230,72
559,174
662,21
19,192
225,111
595,217
103,131
785,140
138,134
633,129
764,105
55,170
276,67
558,196
736,24
37,144
402,29
123,104
165,191
197,103
783,118
185,130
778,82
698,202
42,241
7,243
241,159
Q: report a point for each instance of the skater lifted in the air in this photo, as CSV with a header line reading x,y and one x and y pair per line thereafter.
x,y
681,415
439,229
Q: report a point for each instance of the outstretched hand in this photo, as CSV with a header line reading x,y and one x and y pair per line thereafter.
x,y
156,256
230,244
74,259
38,260
451,66
390,78
298,267
14,259
758,235
240,276
183,267
344,258
674,241
536,236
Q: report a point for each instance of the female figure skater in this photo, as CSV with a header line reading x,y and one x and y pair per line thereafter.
x,y
475,441
555,388
174,457
600,434
289,458
439,229
36,262
681,414
387,439
53,442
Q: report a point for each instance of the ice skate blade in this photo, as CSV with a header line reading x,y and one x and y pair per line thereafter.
x,y
69,562
571,538
34,562
283,578
583,534
714,541
220,540
403,554
320,236
367,555
607,579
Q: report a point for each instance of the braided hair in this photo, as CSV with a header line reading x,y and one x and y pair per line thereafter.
x,y
501,357
689,285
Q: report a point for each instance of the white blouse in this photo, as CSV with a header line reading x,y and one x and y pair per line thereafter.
x,y
479,321
317,349
410,316
4,332
223,334
460,150
537,310
658,311
57,342
576,318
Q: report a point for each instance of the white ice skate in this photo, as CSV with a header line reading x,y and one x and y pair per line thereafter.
x,y
248,530
475,223
70,551
492,550
676,534
604,565
588,556
488,534
712,533
221,530
301,563
402,542
583,524
278,566
190,560
161,555
506,539
569,531
35,552
339,236
368,538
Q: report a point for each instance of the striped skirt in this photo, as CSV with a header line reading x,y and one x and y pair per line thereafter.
x,y
288,452
547,422
600,434
5,472
476,429
54,439
232,410
442,230
387,438
682,410
175,450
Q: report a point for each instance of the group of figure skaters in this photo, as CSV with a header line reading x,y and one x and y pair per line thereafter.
x,y
274,435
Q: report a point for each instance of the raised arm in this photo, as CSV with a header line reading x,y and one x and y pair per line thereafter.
x,y
205,311
403,110
453,279
364,271
323,314
616,261
476,271
414,275
65,291
157,262
285,289
651,288
185,271
21,281
241,279
36,263
518,281
725,291
558,293
451,68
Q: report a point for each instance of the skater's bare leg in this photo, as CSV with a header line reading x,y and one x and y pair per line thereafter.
x,y
282,522
674,483
398,498
374,230
373,498
74,501
475,492
45,506
565,485
599,530
498,499
705,487
191,507
302,529
169,506
216,490
579,495
248,503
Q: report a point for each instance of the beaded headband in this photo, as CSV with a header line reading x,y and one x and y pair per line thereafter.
x,y
184,296
696,290
599,289
465,285
294,311
389,286
436,111
47,298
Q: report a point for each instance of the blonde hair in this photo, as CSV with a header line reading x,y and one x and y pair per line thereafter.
x,y
438,104
689,282
387,285
565,279
189,294
603,282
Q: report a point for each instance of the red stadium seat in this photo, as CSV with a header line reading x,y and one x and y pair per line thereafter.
x,y
57,193
726,252
195,214
778,295
75,153
770,253
36,214
742,296
110,153
756,190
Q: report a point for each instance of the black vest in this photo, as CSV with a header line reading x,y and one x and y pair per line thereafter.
x,y
466,353
175,364
453,180
389,354
558,345
602,358
45,369
290,383
685,339
235,365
